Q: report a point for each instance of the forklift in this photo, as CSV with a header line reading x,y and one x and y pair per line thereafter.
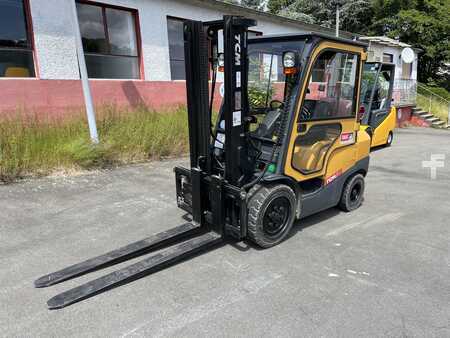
x,y
279,149
380,115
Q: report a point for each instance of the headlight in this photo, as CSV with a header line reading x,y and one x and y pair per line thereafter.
x,y
289,60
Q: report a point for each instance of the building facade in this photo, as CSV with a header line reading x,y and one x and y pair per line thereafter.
x,y
384,49
133,50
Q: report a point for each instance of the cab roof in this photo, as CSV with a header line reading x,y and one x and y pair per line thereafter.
x,y
303,36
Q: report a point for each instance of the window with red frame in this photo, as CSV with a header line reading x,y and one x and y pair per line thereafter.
x,y
16,48
110,41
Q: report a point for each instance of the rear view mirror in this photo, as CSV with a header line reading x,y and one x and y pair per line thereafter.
x,y
361,113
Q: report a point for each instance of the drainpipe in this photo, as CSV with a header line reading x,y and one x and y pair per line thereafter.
x,y
84,76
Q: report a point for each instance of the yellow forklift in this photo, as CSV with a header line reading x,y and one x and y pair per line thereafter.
x,y
280,149
380,115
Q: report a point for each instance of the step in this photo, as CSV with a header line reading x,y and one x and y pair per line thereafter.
x,y
426,116
416,109
439,123
433,119
420,113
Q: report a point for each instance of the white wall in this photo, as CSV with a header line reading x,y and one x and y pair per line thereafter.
x,y
54,38
396,52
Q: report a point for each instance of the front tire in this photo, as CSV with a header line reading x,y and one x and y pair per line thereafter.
x,y
353,193
390,139
271,214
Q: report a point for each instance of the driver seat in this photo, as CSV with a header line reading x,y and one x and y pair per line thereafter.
x,y
311,158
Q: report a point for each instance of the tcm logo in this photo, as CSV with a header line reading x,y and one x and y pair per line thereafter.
x,y
237,50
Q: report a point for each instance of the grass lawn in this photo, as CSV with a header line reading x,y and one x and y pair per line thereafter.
x,y
39,146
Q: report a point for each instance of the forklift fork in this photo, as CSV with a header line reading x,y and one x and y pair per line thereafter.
x,y
199,192
137,270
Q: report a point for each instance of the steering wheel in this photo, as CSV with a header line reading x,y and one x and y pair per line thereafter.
x,y
276,104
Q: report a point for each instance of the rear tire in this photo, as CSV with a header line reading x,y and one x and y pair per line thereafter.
x,y
353,193
390,139
271,214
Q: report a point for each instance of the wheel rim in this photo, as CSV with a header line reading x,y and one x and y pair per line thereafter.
x,y
355,193
276,216
390,139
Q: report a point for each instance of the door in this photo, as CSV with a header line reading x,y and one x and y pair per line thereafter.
x,y
380,114
326,118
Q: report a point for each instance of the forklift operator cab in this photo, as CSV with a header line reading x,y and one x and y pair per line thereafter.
x,y
322,141
376,97
303,143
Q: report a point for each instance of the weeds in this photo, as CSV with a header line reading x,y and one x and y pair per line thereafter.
x,y
38,146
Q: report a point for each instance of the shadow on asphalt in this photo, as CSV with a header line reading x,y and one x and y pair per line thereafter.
x,y
299,225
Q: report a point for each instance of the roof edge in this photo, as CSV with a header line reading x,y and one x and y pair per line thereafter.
x,y
240,10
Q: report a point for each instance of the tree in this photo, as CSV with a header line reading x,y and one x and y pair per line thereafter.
x,y
425,25
254,4
276,6
355,14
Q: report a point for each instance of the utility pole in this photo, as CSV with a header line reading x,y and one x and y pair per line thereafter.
x,y
84,76
338,10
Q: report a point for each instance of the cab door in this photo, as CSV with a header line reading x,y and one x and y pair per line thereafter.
x,y
325,125
382,117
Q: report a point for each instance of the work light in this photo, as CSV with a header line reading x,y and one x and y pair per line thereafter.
x,y
221,62
289,63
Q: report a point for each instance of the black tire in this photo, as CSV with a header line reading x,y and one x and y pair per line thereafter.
x,y
271,214
353,193
390,139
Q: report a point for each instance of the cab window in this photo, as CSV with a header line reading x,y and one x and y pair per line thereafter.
x,y
332,86
380,96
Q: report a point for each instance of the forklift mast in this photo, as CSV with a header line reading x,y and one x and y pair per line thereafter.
x,y
235,103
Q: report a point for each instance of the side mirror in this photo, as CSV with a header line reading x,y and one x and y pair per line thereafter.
x,y
361,113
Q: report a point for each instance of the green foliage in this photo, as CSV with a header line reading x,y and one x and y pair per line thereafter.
x,y
33,145
436,106
425,24
442,92
354,13
255,4
258,94
276,6
83,153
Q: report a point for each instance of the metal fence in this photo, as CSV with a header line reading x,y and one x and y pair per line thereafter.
x,y
434,103
405,92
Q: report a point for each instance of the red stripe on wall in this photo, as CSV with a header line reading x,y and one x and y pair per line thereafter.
x,y
63,96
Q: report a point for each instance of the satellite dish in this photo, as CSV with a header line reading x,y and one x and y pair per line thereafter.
x,y
407,55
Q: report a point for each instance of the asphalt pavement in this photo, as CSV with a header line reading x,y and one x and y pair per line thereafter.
x,y
380,271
